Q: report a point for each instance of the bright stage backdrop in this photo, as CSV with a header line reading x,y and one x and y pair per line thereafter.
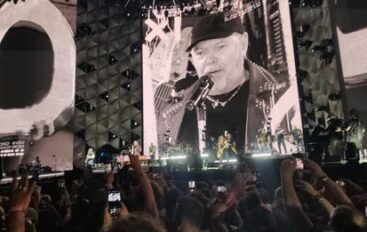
x,y
37,82
167,66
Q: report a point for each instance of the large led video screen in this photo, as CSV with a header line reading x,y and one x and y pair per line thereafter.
x,y
37,83
220,75
350,30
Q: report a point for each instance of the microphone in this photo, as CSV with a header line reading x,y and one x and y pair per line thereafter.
x,y
205,85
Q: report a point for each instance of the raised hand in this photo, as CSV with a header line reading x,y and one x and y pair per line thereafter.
x,y
287,168
21,194
306,187
314,167
135,163
243,182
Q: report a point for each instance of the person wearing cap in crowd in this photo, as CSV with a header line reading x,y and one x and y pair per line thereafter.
x,y
218,49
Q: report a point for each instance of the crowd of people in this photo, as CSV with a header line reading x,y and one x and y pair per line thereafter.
x,y
152,200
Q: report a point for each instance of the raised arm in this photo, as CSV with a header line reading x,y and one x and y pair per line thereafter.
x,y
150,204
332,189
292,203
20,199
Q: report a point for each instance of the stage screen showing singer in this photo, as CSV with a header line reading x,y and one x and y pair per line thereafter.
x,y
221,80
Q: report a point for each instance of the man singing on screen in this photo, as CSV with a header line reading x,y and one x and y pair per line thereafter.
x,y
218,50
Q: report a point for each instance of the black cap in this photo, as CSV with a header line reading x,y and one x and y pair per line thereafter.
x,y
214,26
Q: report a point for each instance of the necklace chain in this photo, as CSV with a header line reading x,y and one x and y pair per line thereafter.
x,y
216,102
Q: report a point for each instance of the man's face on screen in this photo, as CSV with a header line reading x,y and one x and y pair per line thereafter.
x,y
223,59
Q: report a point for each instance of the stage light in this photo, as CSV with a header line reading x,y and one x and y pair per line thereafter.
x,y
111,59
105,96
204,155
261,154
135,48
226,161
134,124
111,136
294,3
126,85
306,3
130,74
174,157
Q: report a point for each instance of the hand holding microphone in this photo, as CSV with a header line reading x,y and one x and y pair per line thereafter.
x,y
205,85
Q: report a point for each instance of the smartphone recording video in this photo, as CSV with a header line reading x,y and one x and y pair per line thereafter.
x,y
221,189
299,164
191,185
114,202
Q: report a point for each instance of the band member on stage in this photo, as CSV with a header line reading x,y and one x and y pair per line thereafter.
x,y
153,151
226,148
297,137
136,148
279,133
90,158
218,49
